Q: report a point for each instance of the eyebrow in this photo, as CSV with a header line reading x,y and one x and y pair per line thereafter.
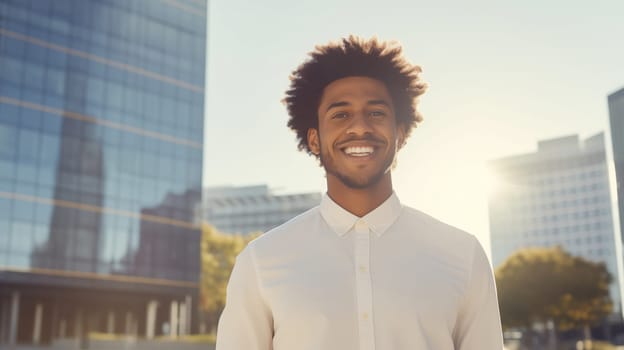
x,y
378,102
344,103
336,105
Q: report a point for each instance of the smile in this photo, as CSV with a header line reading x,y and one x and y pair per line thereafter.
x,y
359,151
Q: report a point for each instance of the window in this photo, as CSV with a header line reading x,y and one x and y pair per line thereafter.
x,y
95,90
34,75
26,172
11,68
8,141
28,148
21,237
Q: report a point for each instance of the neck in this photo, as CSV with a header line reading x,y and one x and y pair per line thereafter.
x,y
359,201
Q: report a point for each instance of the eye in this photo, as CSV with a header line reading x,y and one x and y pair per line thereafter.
x,y
377,114
340,115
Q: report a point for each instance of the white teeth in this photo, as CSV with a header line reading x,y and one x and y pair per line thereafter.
x,y
359,151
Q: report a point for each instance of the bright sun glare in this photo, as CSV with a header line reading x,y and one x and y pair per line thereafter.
x,y
491,182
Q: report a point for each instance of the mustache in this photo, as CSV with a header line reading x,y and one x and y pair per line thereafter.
x,y
366,138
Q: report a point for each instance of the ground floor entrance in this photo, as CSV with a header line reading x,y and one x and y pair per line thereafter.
x,y
39,313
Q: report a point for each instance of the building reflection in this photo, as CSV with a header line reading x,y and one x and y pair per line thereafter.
x,y
74,236
166,251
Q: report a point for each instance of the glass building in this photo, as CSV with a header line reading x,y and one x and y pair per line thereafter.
x,y
616,117
253,208
101,134
557,196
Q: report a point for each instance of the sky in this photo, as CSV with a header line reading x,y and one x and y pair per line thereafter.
x,y
502,75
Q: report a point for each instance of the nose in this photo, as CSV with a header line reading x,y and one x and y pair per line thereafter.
x,y
360,124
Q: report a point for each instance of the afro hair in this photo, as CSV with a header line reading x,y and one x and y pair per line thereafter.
x,y
352,56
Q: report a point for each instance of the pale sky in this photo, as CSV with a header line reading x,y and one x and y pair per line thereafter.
x,y
502,76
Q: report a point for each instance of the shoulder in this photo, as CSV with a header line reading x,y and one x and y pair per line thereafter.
x,y
433,229
292,233
439,241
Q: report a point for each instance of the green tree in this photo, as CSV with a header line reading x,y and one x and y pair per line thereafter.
x,y
218,254
549,284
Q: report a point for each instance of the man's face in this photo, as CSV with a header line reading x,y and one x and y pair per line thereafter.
x,y
357,138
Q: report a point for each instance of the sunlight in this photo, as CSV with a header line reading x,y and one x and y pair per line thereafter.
x,y
491,181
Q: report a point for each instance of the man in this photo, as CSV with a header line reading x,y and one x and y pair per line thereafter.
x,y
360,271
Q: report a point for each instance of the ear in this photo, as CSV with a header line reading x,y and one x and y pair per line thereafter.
x,y
313,141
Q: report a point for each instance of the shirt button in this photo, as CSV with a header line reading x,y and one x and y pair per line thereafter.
x,y
362,268
361,226
365,316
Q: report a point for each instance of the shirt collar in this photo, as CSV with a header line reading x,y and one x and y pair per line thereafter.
x,y
378,220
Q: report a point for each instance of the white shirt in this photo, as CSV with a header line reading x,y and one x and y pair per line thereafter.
x,y
395,279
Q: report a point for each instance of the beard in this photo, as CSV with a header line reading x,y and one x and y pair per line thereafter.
x,y
353,180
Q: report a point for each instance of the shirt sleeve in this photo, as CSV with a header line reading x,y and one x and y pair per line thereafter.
x,y
246,322
478,325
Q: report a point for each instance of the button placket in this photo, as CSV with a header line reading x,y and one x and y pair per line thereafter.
x,y
364,286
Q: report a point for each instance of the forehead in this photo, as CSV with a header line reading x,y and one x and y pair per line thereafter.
x,y
354,88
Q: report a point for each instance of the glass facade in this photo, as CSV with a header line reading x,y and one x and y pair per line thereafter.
x,y
101,133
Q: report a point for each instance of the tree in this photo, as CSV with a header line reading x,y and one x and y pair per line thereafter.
x,y
218,254
549,284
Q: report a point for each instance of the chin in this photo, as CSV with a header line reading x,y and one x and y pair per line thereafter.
x,y
360,183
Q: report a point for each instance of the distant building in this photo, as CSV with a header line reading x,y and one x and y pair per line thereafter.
x,y
559,195
101,147
616,117
253,208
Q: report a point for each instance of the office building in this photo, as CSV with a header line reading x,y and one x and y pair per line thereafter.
x,y
616,118
253,208
101,136
559,195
